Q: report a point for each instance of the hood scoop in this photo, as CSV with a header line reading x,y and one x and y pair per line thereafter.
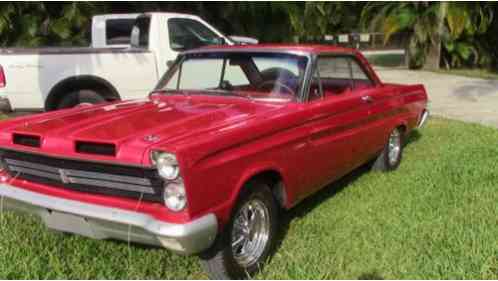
x,y
106,149
26,140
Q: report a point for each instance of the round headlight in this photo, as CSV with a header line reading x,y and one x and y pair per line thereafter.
x,y
167,166
174,196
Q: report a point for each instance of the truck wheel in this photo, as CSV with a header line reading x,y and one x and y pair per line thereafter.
x,y
75,98
247,241
390,157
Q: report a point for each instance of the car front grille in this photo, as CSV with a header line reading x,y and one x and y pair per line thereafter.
x,y
83,176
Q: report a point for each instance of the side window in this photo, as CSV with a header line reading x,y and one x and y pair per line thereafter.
x,y
339,75
360,78
335,75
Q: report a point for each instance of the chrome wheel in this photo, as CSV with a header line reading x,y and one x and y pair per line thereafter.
x,y
394,147
250,232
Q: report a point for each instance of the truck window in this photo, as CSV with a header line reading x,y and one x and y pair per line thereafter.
x,y
185,34
118,31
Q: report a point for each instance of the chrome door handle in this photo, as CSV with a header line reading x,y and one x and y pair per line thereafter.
x,y
367,99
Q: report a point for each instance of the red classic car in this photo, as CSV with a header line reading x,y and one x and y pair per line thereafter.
x,y
202,166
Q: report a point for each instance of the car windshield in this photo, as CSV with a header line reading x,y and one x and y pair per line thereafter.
x,y
275,76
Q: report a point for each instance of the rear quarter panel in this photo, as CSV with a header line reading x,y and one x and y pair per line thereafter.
x,y
396,105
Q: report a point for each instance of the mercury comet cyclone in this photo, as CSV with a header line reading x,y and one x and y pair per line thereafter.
x,y
230,136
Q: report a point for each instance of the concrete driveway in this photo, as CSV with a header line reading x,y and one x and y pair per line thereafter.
x,y
456,97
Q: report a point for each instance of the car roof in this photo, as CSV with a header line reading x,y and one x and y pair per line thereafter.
x,y
307,48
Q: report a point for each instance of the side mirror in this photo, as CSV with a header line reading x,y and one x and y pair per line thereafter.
x,y
242,40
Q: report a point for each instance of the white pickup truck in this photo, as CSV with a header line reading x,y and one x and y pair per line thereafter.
x,y
128,55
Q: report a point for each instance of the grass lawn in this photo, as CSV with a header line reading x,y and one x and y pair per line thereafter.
x,y
434,218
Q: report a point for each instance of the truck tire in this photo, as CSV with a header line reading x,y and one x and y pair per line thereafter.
x,y
75,98
390,157
247,241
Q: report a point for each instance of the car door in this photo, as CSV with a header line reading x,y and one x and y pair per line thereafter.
x,y
337,115
381,109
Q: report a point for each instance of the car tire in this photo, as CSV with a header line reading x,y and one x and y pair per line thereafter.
x,y
75,98
243,247
390,157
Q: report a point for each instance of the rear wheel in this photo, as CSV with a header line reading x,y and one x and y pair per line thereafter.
x,y
75,98
241,250
390,157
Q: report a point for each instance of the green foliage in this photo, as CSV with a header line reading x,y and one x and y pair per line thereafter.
x,y
452,25
312,20
465,23
30,24
466,32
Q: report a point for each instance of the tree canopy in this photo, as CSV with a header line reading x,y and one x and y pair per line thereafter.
x,y
448,34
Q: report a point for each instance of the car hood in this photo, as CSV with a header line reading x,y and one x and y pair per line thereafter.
x,y
132,126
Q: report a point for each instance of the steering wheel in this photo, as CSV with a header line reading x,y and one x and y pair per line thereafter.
x,y
273,73
270,85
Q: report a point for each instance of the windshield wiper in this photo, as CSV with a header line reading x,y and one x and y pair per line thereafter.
x,y
221,92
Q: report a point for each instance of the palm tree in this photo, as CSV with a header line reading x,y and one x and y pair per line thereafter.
x,y
310,21
431,26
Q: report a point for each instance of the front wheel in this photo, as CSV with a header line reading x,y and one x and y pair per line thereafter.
x,y
241,250
390,157
79,97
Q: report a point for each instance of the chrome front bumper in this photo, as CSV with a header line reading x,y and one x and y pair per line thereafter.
x,y
100,222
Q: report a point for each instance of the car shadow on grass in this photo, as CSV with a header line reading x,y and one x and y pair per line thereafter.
x,y
328,192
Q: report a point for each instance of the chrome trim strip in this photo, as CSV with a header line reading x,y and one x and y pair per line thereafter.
x,y
92,182
85,181
108,162
31,165
108,177
35,172
125,183
79,173
110,222
113,185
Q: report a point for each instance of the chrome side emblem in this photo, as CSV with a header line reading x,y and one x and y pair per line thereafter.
x,y
64,177
152,138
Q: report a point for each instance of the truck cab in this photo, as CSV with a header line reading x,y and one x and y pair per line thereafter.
x,y
127,56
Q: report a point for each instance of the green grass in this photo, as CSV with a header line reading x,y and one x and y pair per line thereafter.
x,y
474,73
436,217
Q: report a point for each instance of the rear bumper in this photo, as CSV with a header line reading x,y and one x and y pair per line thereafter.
x,y
100,222
423,118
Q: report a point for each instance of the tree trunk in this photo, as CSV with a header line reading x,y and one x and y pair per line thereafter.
x,y
433,56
